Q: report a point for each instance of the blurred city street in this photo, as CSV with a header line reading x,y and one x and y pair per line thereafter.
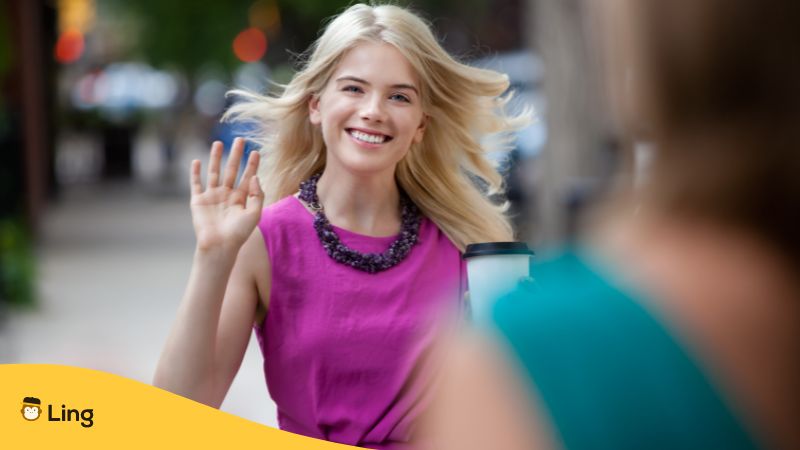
x,y
103,105
112,264
645,151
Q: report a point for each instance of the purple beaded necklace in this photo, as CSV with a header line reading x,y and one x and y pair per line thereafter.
x,y
369,262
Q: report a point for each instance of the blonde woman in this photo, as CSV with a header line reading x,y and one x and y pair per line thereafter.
x,y
368,152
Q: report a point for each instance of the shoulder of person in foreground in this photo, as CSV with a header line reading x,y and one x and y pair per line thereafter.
x,y
481,401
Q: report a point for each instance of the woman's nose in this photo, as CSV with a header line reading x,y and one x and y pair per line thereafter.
x,y
372,109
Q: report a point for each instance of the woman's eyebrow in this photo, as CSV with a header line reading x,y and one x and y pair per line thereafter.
x,y
394,86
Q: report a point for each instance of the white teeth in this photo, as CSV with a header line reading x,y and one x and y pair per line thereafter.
x,y
369,138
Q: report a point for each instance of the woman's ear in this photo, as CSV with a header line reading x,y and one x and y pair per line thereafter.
x,y
421,129
313,110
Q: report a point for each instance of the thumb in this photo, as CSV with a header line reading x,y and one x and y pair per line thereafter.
x,y
529,283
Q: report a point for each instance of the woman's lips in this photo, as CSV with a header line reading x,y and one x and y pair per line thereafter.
x,y
368,138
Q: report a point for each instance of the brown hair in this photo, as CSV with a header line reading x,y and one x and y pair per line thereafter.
x,y
718,85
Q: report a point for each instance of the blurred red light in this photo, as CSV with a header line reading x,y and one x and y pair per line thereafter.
x,y
69,46
250,45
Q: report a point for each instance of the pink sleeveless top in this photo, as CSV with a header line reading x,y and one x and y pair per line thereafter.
x,y
345,351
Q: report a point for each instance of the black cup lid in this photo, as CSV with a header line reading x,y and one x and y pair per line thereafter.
x,y
497,248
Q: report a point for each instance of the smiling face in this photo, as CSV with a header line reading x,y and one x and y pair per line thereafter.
x,y
370,111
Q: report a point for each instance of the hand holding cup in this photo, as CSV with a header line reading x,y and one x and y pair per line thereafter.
x,y
494,269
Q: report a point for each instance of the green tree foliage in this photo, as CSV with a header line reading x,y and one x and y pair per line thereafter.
x,y
187,34
190,34
17,268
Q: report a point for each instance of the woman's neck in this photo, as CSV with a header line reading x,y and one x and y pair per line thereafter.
x,y
363,204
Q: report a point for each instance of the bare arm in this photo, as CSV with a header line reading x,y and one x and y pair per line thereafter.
x,y
206,345
483,402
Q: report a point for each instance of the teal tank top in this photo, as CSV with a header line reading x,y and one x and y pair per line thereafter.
x,y
609,374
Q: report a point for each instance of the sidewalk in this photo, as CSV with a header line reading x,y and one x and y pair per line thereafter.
x,y
113,261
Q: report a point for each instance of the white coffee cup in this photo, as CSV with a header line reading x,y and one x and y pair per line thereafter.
x,y
494,269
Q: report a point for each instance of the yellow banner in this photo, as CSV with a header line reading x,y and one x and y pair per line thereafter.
x,y
51,406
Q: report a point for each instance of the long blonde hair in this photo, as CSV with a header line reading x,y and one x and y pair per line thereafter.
x,y
463,104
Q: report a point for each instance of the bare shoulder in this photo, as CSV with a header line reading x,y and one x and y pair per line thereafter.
x,y
483,401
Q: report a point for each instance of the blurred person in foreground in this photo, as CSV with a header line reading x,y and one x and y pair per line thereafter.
x,y
674,323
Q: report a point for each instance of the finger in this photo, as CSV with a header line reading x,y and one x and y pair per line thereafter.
x,y
232,167
255,197
249,171
528,282
196,184
213,164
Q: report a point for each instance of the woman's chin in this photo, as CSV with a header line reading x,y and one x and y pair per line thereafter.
x,y
368,166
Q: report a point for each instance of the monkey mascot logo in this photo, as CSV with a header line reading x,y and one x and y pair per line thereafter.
x,y
31,408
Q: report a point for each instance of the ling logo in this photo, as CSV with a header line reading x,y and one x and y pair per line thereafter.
x,y
32,410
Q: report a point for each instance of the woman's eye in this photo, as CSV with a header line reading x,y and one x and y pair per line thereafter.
x,y
351,89
400,97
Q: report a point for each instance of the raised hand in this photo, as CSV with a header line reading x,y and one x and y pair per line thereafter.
x,y
225,214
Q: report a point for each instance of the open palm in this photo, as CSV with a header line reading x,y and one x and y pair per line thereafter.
x,y
225,214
